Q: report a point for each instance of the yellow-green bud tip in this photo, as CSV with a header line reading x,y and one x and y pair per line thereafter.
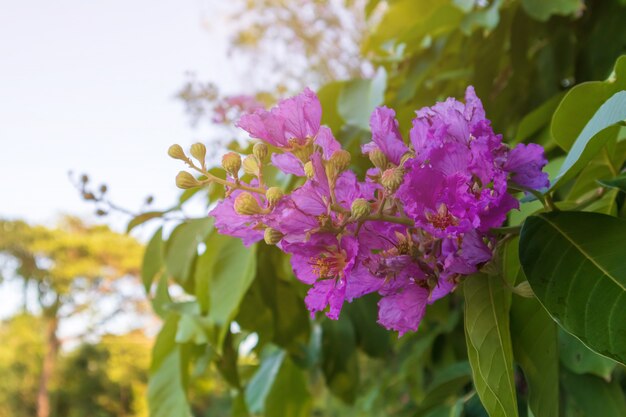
x,y
272,236
261,151
198,151
308,170
340,160
251,166
273,195
245,204
176,152
185,180
231,162
360,208
379,159
392,178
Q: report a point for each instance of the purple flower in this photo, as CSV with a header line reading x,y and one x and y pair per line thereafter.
x,y
403,311
525,163
325,262
292,122
385,135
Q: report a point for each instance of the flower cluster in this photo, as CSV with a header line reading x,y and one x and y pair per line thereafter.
x,y
419,221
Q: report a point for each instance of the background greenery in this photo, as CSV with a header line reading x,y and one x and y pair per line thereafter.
x,y
236,338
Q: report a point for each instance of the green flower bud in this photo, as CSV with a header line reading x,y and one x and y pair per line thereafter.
x,y
245,204
272,236
185,180
231,162
198,151
379,159
360,208
340,160
273,195
261,151
309,170
392,178
251,166
176,152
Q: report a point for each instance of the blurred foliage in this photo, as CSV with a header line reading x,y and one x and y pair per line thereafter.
x,y
240,312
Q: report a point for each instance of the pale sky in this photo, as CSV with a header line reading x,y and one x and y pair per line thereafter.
x,y
88,86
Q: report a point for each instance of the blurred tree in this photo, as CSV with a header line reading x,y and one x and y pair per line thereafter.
x,y
70,269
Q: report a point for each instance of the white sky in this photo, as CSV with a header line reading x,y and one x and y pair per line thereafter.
x,y
88,86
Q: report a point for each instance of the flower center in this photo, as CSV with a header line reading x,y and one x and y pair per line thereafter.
x,y
329,264
442,219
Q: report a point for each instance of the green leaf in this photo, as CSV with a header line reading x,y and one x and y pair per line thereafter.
x,y
538,118
575,265
339,358
152,259
581,103
289,396
579,359
233,270
261,383
370,336
142,218
618,182
446,383
359,98
589,396
542,10
182,246
166,389
593,137
329,98
489,343
534,337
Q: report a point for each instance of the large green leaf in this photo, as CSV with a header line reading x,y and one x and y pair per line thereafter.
x,y
596,133
182,246
359,98
339,358
261,383
582,102
166,388
589,396
489,343
579,359
152,259
575,264
542,9
534,336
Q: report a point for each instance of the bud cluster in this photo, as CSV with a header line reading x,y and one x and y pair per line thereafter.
x,y
419,221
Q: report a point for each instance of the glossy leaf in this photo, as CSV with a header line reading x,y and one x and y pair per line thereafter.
x,y
593,136
581,103
535,348
182,246
261,383
618,182
489,343
359,98
589,396
152,259
575,264
579,359
542,10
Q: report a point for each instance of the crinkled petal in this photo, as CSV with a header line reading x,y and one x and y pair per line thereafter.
x,y
403,311
288,163
526,162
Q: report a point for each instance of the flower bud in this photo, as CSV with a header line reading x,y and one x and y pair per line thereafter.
x,y
378,158
392,178
251,166
272,236
176,152
198,151
273,195
309,171
185,180
340,160
231,162
246,205
360,208
260,150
